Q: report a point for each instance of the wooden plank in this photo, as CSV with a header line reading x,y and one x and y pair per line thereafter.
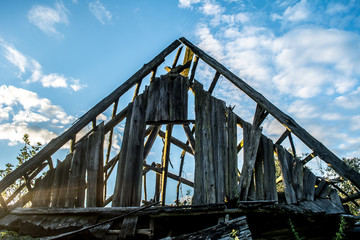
x,y
220,149
260,115
213,83
177,142
193,69
177,57
232,158
128,227
308,158
64,181
309,185
269,169
324,153
129,176
251,143
151,139
187,59
57,183
335,199
189,136
74,176
165,162
95,168
297,178
80,195
117,201
200,151
58,142
170,175
259,173
282,137
286,173
292,145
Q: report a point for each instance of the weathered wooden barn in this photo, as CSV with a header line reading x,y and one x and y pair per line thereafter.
x,y
69,199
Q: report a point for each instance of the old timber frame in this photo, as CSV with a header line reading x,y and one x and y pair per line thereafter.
x,y
69,197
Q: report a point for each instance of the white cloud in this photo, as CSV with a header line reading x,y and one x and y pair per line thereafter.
x,y
298,12
355,123
99,11
302,109
54,80
349,101
33,69
13,132
187,3
211,8
23,111
15,57
208,43
45,17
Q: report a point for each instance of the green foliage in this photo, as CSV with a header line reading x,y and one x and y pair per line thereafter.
x,y
346,185
233,234
340,234
4,234
293,231
26,152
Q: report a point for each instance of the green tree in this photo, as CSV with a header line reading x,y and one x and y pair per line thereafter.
x,y
26,152
346,185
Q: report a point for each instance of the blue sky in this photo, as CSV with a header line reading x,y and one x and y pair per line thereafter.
x,y
59,58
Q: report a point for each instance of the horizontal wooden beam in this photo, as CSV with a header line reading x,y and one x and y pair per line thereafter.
x,y
177,142
170,175
58,142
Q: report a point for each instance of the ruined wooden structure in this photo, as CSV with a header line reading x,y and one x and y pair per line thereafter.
x,y
72,193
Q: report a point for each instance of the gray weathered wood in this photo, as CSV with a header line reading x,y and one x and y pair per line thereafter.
x,y
128,227
95,168
232,158
251,143
324,153
64,181
128,180
213,83
173,176
167,99
74,177
177,142
58,142
260,115
189,136
259,173
151,139
297,179
269,169
309,185
286,166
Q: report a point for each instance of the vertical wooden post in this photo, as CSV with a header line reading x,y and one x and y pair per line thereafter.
x,y
137,89
165,162
193,70
187,59
177,57
157,185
